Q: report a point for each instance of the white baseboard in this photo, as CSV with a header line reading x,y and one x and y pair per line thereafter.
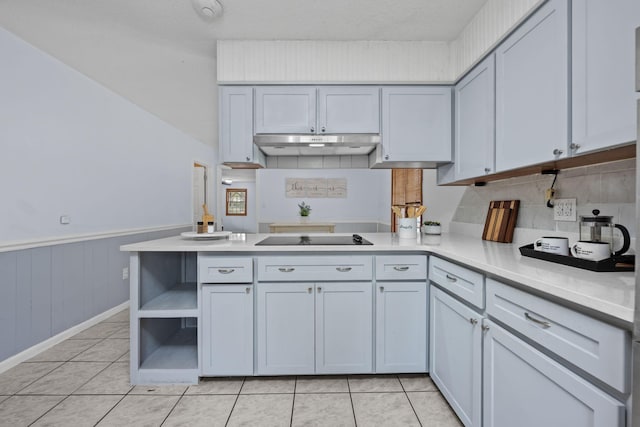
x,y
56,339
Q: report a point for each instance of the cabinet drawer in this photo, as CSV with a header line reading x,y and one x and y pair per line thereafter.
x,y
314,269
465,283
594,346
394,267
212,269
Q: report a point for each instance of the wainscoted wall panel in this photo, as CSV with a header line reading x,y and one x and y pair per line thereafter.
x,y
49,289
445,61
332,61
486,29
609,187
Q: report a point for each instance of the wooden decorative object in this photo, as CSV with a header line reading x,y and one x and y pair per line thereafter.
x,y
501,221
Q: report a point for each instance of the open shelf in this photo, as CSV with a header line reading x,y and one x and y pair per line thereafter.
x,y
167,344
183,296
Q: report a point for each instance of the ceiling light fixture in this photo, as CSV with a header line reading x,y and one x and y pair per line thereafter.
x,y
207,9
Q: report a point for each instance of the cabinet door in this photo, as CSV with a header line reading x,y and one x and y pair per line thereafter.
x,y
455,357
236,124
603,70
532,90
227,330
348,109
523,387
475,121
285,328
344,327
416,123
401,327
285,109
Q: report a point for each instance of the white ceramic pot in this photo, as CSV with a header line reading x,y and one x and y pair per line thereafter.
x,y
432,229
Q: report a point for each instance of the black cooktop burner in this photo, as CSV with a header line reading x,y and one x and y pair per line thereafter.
x,y
313,240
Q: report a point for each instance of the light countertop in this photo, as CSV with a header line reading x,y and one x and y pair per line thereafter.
x,y
609,296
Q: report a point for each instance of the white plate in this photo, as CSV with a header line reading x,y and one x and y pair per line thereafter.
x,y
205,236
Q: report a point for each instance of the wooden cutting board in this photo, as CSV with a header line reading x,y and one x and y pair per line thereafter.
x,y
501,221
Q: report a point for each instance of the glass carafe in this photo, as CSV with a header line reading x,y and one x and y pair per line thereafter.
x,y
600,229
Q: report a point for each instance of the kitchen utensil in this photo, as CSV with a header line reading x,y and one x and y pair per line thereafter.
x,y
397,210
600,229
501,221
553,245
593,251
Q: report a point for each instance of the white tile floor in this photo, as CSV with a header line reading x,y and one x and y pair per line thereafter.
x,y
84,381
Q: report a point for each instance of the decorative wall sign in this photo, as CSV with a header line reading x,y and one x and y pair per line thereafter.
x,y
316,188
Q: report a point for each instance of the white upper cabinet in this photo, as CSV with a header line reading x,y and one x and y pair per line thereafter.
x,y
416,124
475,121
340,109
348,109
532,102
603,70
236,126
285,109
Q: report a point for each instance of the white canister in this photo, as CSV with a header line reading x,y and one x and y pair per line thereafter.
x,y
407,228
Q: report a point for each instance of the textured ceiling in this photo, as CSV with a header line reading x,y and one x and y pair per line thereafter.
x,y
175,21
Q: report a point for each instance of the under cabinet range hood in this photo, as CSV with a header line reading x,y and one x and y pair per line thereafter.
x,y
316,145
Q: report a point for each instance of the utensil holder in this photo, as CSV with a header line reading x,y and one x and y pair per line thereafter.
x,y
407,228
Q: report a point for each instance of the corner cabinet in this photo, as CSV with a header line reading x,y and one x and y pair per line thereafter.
x,y
416,126
236,127
532,90
603,74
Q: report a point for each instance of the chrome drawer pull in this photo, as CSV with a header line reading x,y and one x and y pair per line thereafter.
x,y
539,322
319,289
473,321
247,290
381,288
401,268
286,269
309,290
343,269
451,278
226,270
485,328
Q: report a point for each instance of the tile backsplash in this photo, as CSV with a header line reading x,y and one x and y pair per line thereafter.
x,y
609,187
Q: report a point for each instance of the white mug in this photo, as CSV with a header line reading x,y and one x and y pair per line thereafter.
x,y
552,245
592,251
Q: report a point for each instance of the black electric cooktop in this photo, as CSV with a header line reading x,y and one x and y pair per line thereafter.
x,y
313,240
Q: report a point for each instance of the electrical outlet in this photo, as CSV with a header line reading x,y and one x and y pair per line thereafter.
x,y
564,210
125,273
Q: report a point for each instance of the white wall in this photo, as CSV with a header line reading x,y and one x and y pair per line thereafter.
x,y
68,146
368,196
441,202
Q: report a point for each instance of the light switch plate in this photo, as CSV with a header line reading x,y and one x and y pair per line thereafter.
x,y
564,210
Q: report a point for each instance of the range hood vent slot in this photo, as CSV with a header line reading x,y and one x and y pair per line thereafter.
x,y
316,145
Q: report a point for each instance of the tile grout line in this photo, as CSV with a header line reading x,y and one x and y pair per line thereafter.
x,y
410,403
235,401
109,411
50,409
353,409
174,406
293,401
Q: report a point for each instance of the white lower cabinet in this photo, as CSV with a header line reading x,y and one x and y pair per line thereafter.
x,y
401,327
523,387
455,362
307,328
227,329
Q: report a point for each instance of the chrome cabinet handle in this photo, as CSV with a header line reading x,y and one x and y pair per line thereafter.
x,y
473,321
319,289
323,129
313,129
386,157
247,290
574,146
248,158
286,269
381,288
452,279
538,321
557,152
343,269
401,268
226,270
487,170
309,290
485,328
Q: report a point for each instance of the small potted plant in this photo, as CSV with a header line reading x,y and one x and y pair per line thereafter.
x,y
431,227
305,211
